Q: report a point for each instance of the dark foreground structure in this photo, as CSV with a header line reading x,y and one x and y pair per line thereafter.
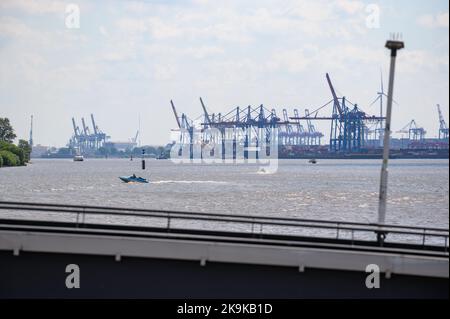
x,y
132,253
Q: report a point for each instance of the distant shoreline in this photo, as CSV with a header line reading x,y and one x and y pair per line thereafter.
x,y
280,158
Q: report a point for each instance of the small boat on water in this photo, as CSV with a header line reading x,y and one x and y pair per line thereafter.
x,y
162,156
312,161
78,158
133,179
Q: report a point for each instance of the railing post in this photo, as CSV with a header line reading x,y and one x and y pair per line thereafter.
x,y
423,237
337,231
381,236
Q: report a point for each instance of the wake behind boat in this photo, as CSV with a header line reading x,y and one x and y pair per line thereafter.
x,y
133,179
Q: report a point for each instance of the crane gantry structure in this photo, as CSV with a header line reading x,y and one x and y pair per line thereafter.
x,y
84,141
251,126
351,128
414,131
348,123
443,129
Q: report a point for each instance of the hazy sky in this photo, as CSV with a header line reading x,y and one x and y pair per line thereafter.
x,y
131,57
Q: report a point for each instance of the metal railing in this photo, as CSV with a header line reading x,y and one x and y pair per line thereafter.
x,y
423,236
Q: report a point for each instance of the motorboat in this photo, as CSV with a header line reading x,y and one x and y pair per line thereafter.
x,y
133,179
312,161
78,158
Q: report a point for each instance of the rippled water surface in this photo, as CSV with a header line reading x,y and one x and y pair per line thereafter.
x,y
331,189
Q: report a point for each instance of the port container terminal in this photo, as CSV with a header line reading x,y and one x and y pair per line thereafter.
x,y
353,132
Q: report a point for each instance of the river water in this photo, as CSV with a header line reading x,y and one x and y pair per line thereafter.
x,y
343,190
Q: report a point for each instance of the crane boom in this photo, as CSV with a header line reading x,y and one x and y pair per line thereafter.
x,y
74,127
335,98
407,127
175,113
136,136
93,124
442,124
208,120
85,129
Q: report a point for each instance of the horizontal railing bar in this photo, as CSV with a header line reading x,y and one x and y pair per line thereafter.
x,y
86,210
231,219
234,219
172,212
362,245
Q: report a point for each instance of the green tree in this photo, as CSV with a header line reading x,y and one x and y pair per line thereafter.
x,y
26,148
6,131
9,158
4,146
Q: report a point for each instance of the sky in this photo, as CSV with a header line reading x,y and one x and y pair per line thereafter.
x,y
126,60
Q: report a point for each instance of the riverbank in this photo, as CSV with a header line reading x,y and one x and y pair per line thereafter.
x,y
14,155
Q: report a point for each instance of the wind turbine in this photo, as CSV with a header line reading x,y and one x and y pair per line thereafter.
x,y
380,95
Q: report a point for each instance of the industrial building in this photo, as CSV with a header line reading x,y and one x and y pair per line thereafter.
x,y
120,146
39,151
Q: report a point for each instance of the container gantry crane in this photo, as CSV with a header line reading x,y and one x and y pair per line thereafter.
x,y
99,137
289,132
186,129
314,137
348,125
415,133
248,127
443,129
84,141
301,135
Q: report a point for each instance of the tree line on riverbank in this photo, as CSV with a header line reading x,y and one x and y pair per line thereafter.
x,y
111,152
11,154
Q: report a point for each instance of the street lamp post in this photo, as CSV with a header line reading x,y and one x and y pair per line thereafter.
x,y
394,46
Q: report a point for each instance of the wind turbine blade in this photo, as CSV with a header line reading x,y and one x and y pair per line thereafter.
x,y
392,99
378,97
381,77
